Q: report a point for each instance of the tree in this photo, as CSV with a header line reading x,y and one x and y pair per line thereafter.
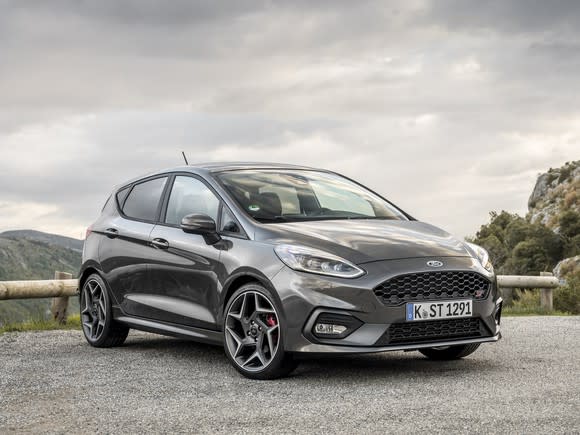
x,y
517,246
529,256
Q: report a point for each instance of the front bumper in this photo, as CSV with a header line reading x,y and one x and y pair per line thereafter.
x,y
306,296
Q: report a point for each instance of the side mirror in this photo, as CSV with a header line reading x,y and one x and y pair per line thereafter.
x,y
201,224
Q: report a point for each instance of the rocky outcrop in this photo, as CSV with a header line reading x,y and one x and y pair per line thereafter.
x,y
567,266
555,191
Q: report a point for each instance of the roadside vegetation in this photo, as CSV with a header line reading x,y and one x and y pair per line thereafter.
x,y
41,324
519,247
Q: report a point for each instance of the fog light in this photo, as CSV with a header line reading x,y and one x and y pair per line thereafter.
x,y
334,325
328,329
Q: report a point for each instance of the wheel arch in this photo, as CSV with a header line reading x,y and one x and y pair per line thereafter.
x,y
240,279
86,271
90,268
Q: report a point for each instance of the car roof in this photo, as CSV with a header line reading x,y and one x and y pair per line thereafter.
x,y
228,166
212,167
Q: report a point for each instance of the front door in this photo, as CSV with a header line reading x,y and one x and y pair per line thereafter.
x,y
184,269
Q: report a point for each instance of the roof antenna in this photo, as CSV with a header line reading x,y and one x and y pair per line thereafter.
x,y
184,158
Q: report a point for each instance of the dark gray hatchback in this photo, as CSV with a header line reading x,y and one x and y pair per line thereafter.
x,y
275,261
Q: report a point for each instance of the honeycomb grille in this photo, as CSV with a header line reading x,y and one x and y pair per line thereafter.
x,y
436,330
432,286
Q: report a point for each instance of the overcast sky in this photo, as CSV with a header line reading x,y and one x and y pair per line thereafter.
x,y
448,108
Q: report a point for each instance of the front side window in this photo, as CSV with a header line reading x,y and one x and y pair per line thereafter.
x,y
190,196
143,200
300,195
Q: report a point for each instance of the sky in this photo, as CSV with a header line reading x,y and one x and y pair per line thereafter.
x,y
448,108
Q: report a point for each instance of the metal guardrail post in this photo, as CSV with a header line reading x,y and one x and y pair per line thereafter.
x,y
546,295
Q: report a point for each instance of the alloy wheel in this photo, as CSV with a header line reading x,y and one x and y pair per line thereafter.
x,y
93,313
252,331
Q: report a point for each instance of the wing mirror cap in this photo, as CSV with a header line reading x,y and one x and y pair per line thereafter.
x,y
201,224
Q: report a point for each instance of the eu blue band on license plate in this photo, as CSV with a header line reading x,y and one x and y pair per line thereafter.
x,y
409,311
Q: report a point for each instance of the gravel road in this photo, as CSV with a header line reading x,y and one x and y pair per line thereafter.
x,y
527,383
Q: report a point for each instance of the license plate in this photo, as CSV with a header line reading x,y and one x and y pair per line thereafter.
x,y
439,310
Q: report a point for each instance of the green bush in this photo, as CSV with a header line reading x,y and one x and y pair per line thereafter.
x,y
567,298
517,246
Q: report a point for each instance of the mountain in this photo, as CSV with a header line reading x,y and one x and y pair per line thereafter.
x,y
26,255
51,239
555,202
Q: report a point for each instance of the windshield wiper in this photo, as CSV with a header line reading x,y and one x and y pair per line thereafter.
x,y
270,218
385,218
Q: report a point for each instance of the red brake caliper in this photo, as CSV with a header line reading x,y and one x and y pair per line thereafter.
x,y
271,320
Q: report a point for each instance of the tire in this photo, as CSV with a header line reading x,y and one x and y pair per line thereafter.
x,y
450,352
99,327
254,334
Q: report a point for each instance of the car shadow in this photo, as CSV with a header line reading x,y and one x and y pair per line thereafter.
x,y
171,345
389,364
361,366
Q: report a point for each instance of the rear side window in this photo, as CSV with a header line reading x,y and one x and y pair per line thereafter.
x,y
143,201
121,196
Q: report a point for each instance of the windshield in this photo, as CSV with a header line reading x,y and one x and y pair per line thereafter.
x,y
300,195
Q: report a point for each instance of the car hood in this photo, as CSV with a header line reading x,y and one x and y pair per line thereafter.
x,y
362,241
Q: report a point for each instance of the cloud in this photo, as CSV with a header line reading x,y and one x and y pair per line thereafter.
x,y
448,108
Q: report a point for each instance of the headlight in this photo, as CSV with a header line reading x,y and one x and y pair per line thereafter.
x,y
316,261
482,255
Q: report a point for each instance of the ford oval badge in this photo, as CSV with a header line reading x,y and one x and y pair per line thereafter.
x,y
434,263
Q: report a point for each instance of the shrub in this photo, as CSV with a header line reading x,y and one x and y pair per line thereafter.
x,y
567,297
569,223
570,199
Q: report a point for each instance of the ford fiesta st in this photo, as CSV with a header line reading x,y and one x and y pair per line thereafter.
x,y
275,262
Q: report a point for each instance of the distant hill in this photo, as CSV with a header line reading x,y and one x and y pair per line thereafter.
x,y
28,254
51,239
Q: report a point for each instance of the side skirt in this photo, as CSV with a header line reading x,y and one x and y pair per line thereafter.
x,y
196,334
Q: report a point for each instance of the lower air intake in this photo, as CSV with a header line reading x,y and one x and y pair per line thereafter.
x,y
436,330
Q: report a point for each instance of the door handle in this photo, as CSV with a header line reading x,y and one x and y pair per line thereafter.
x,y
160,243
111,233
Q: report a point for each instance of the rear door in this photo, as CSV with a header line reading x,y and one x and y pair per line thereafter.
x,y
184,269
125,250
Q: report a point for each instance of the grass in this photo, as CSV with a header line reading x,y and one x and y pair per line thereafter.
x,y
528,311
527,303
73,322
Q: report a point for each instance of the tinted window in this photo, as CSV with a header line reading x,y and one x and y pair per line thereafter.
x,y
122,195
144,198
190,196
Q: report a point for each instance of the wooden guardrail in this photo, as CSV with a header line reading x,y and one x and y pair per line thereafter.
x,y
38,289
59,288
63,286
546,282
